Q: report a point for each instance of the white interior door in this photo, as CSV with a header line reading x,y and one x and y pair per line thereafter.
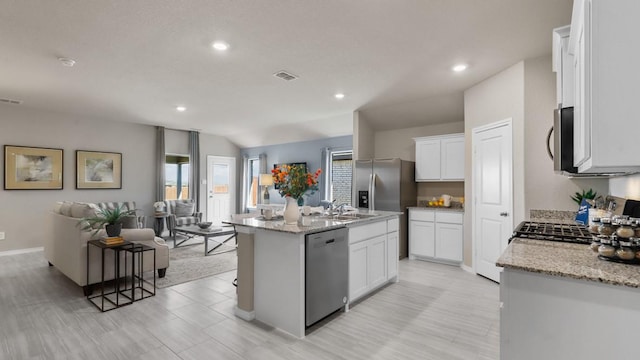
x,y
221,189
492,191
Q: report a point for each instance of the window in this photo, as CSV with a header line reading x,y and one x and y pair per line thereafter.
x,y
176,172
340,175
253,174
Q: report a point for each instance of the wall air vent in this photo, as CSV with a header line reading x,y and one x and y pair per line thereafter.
x,y
10,101
284,75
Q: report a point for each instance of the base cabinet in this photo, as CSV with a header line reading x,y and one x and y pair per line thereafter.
x,y
373,256
435,235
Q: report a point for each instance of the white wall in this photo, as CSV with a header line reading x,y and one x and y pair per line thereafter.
x,y
23,213
626,187
544,189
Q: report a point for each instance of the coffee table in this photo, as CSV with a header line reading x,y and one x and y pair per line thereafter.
x,y
229,232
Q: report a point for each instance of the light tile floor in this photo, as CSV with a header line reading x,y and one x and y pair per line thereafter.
x,y
434,312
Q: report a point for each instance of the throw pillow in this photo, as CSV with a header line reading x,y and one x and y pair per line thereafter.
x,y
184,209
130,222
65,209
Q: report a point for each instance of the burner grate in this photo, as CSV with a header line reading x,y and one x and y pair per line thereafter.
x,y
553,232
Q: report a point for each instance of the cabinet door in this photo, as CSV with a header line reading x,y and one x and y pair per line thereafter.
x,y
449,241
377,261
581,115
358,284
422,238
452,159
427,160
392,254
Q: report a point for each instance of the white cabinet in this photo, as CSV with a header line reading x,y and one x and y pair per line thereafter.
x,y
358,284
373,256
435,234
422,238
563,67
427,159
449,246
440,158
602,38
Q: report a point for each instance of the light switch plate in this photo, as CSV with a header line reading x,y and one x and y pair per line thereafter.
x,y
1,235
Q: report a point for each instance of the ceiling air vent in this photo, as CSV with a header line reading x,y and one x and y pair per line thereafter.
x,y
10,101
285,75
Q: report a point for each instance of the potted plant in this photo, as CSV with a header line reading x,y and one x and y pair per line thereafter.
x,y
293,183
111,219
590,195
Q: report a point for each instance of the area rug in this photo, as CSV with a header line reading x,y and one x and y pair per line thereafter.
x,y
187,262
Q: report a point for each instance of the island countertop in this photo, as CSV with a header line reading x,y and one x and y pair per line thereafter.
x,y
312,223
576,261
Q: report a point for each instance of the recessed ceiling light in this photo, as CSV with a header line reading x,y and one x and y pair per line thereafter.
x,y
220,45
339,96
459,67
181,108
67,62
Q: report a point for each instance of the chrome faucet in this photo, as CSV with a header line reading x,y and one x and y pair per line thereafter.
x,y
340,208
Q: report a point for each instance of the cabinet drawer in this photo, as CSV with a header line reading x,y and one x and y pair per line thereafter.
x,y
422,215
368,231
393,225
449,217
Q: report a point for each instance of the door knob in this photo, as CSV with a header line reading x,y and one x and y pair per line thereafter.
x,y
504,213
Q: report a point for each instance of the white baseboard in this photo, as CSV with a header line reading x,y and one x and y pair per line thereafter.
x,y
21,251
244,315
468,269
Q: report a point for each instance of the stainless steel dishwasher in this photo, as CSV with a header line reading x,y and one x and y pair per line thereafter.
x,y
326,273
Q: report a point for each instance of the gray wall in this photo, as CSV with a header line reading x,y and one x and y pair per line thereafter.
x,y
496,98
177,142
306,151
399,143
23,213
544,189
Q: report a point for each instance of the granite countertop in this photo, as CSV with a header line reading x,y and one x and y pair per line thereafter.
x,y
576,261
309,224
439,208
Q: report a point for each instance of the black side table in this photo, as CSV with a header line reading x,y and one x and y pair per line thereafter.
x,y
159,224
112,296
139,286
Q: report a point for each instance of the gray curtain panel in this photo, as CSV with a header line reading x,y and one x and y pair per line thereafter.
x,y
325,178
245,189
263,170
160,162
194,167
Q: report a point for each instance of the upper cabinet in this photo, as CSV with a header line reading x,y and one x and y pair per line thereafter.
x,y
440,158
563,67
603,43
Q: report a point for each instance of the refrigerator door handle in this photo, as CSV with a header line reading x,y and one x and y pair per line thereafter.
x,y
372,201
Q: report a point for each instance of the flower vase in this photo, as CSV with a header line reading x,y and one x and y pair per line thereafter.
x,y
291,210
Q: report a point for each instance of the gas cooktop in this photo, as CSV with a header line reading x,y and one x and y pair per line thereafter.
x,y
552,232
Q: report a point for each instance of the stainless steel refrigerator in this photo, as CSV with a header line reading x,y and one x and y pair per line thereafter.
x,y
387,184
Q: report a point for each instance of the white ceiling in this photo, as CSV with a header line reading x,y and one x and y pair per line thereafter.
x,y
137,60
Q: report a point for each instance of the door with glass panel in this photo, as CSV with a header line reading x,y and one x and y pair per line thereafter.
x,y
221,192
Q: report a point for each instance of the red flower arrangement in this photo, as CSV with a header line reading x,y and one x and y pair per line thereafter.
x,y
295,181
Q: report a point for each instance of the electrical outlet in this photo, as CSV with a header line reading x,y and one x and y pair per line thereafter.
x,y
1,235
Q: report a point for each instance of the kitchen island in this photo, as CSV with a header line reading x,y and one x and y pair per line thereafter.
x,y
559,301
271,262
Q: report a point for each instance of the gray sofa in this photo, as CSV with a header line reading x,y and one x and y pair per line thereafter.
x,y
66,248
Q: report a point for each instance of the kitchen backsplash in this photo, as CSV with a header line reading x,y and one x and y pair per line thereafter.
x,y
552,215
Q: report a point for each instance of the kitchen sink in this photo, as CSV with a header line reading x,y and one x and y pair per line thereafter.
x,y
352,216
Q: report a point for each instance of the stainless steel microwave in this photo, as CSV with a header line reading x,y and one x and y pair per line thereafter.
x,y
563,141
562,155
